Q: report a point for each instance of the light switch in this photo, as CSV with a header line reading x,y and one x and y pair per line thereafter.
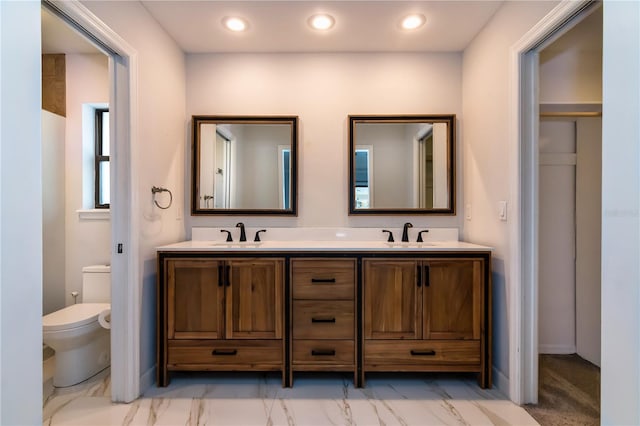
x,y
502,209
467,211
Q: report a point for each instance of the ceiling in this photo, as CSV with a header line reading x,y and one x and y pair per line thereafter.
x,y
281,26
58,37
361,26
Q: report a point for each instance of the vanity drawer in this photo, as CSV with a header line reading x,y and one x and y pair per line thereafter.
x,y
219,352
319,319
323,352
417,352
323,278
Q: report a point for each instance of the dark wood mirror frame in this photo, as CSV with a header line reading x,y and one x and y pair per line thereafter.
x,y
198,120
448,119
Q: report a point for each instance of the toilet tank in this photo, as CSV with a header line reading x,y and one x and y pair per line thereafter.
x,y
96,284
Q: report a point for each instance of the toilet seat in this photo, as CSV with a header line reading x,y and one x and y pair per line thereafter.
x,y
73,316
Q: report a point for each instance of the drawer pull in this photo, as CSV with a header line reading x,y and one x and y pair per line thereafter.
x,y
323,320
423,353
323,280
224,352
323,352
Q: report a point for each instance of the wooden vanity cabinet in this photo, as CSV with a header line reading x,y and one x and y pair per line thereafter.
x,y
323,319
426,314
220,314
292,312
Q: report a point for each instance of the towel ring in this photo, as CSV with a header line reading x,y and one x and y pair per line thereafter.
x,y
155,190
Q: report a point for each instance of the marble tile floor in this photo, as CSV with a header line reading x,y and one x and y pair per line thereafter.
x,y
258,399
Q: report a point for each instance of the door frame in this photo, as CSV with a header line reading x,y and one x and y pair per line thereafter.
x,y
125,270
523,175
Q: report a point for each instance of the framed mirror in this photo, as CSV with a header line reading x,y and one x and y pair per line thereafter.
x,y
244,165
402,164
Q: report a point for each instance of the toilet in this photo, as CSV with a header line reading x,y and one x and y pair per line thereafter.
x,y
79,333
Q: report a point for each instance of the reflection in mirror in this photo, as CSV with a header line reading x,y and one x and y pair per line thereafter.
x,y
402,164
244,165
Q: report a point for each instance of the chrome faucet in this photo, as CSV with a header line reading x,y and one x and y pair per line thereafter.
x,y
243,235
405,232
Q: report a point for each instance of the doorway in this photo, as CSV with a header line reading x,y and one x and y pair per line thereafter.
x,y
525,99
569,213
125,297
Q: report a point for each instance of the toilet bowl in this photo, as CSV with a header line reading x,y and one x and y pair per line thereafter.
x,y
79,333
81,344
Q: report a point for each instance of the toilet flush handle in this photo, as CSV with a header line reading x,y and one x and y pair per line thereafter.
x,y
75,294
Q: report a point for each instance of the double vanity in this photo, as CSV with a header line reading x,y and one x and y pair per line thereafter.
x,y
357,300
342,300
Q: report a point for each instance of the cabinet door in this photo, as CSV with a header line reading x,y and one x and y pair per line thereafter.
x,y
452,299
392,305
194,299
254,299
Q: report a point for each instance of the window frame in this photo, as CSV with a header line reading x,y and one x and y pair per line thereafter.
x,y
98,157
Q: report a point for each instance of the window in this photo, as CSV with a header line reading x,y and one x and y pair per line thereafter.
x,y
102,178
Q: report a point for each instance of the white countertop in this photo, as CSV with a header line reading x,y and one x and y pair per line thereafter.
x,y
321,246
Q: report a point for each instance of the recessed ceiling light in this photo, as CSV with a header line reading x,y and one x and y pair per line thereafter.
x,y
321,21
234,23
411,22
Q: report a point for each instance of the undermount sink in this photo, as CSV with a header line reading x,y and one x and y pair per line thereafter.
x,y
410,244
237,243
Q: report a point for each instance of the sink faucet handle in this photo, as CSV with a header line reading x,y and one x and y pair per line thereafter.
x,y
229,239
257,237
419,240
390,239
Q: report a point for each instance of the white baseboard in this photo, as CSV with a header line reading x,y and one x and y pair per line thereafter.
x,y
500,381
557,349
147,379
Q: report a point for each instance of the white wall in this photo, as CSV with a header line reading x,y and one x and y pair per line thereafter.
x,y
323,89
487,149
88,242
585,69
20,215
589,239
620,379
53,196
158,159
